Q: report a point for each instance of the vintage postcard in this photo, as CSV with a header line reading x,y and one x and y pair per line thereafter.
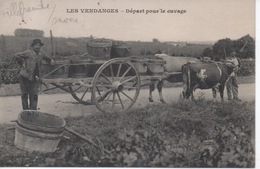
x,y
128,83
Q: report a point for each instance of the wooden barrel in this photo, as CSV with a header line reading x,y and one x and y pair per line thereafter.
x,y
156,66
37,131
100,49
120,50
140,65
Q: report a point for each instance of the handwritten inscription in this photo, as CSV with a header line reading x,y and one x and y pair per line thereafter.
x,y
19,9
64,20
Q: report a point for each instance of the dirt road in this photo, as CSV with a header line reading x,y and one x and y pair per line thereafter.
x,y
64,105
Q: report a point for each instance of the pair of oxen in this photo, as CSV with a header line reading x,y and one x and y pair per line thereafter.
x,y
195,73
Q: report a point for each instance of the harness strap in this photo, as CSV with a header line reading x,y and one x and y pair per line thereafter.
x,y
188,79
220,71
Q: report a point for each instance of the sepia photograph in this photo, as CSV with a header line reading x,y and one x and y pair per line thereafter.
x,y
128,83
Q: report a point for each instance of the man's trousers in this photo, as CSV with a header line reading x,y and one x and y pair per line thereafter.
x,y
232,88
29,89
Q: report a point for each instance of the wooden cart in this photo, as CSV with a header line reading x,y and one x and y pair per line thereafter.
x,y
111,85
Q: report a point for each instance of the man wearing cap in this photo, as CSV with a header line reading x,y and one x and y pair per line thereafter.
x,y
231,84
30,73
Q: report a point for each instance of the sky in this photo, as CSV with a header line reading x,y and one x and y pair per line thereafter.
x,y
203,20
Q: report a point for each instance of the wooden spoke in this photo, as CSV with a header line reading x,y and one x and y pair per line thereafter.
x,y
80,94
127,96
111,71
109,95
113,101
120,100
103,96
98,90
77,89
130,87
84,94
125,73
118,71
105,77
127,80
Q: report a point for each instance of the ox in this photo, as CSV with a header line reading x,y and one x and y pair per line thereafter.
x,y
173,70
205,75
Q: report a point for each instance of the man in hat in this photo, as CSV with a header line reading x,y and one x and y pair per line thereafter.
x,y
231,84
30,73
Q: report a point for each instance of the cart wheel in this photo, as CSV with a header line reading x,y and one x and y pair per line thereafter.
x,y
116,86
81,94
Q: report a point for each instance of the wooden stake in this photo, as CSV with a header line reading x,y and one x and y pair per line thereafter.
x,y
52,46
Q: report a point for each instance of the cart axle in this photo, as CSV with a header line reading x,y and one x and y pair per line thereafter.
x,y
117,86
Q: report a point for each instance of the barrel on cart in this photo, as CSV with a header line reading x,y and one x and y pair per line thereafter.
x,y
120,50
100,49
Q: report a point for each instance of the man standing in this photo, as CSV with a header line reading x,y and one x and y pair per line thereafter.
x,y
231,84
30,73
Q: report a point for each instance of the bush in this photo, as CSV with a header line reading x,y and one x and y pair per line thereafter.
x,y
9,71
247,68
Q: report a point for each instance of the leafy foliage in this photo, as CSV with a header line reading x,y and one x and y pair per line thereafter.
x,y
247,68
247,44
183,134
245,47
9,71
207,52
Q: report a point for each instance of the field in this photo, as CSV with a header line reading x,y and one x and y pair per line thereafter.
x,y
180,134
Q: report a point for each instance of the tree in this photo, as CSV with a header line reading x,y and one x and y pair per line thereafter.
x,y
208,53
222,48
245,47
155,40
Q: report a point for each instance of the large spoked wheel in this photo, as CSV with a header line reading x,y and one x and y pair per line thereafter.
x,y
116,86
81,93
